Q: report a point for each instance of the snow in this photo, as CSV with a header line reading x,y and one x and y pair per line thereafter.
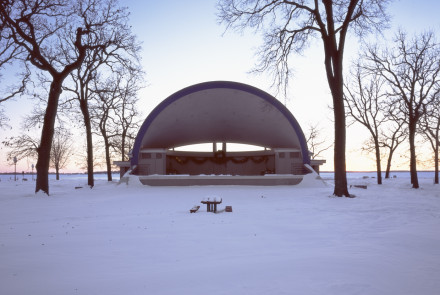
x,y
133,239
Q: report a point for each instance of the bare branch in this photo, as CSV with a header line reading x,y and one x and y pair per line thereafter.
x,y
317,145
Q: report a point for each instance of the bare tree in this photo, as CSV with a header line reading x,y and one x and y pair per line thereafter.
x,y
113,49
126,111
363,103
102,118
288,27
82,77
115,111
34,26
430,128
411,69
61,149
39,27
316,143
26,146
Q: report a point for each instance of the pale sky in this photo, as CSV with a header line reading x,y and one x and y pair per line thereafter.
x,y
184,45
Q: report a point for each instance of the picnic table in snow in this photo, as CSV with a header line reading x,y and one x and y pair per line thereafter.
x,y
211,203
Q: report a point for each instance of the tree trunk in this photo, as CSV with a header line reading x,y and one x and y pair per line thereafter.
x,y
413,159
339,152
57,172
124,134
436,163
107,159
43,162
103,131
378,166
333,66
85,111
390,157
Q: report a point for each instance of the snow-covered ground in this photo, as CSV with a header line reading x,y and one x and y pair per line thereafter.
x,y
278,240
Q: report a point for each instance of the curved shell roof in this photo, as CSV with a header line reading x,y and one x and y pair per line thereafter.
x,y
220,111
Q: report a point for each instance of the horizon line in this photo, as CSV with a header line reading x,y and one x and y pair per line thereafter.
x,y
116,171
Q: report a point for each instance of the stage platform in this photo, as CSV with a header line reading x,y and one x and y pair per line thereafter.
x,y
188,180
